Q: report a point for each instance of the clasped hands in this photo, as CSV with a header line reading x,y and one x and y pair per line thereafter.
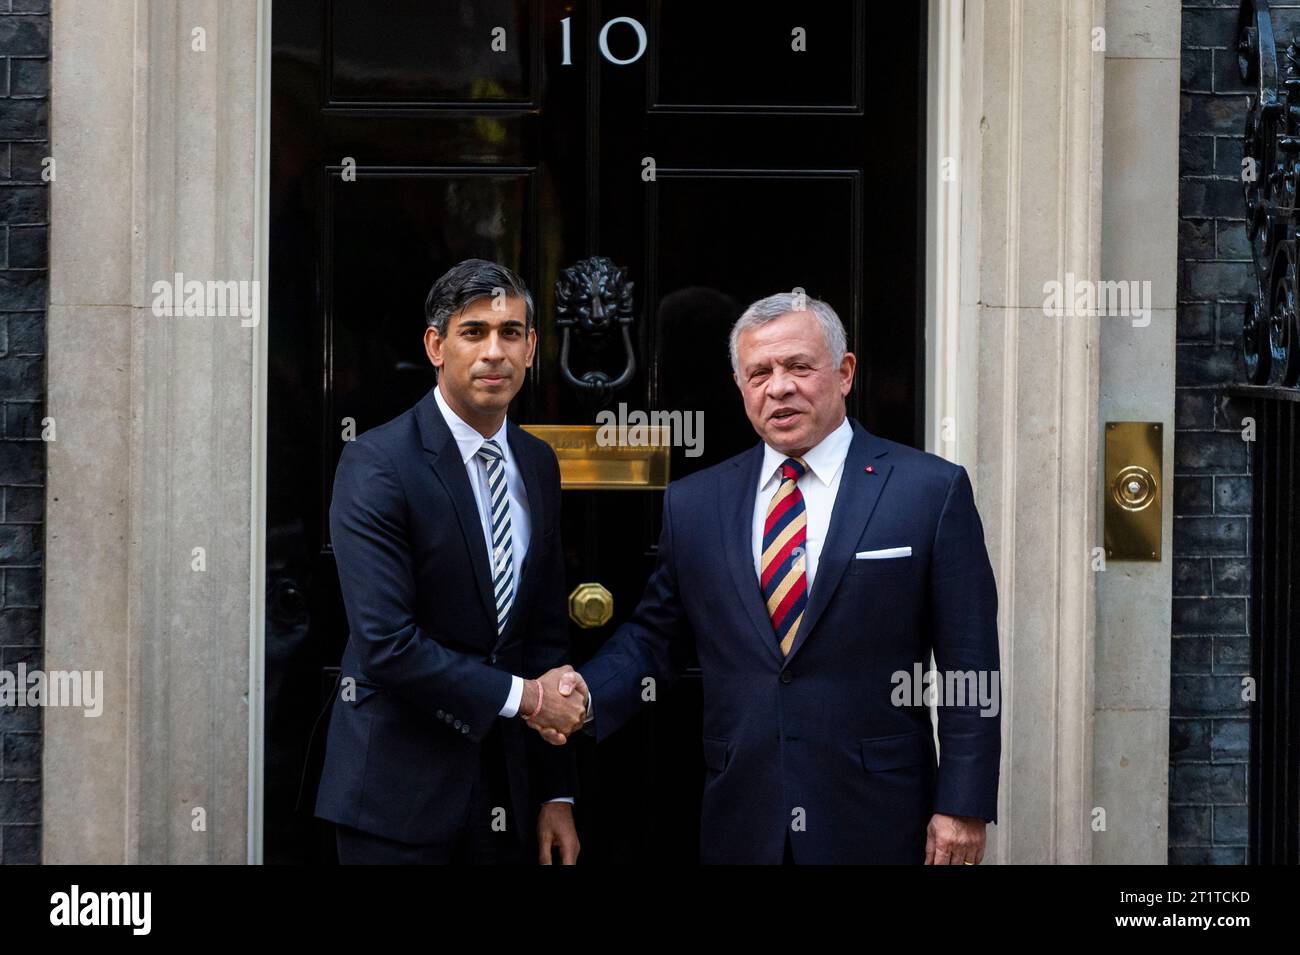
x,y
562,711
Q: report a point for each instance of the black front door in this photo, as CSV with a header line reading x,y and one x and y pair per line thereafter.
x,y
718,152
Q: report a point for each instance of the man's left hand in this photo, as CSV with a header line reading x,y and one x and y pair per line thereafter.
x,y
555,829
954,840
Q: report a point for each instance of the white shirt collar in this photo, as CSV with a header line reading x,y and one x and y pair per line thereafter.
x,y
824,460
467,439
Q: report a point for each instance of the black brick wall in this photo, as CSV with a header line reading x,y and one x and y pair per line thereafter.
x,y
24,259
1209,732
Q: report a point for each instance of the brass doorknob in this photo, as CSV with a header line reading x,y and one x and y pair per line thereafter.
x,y
590,606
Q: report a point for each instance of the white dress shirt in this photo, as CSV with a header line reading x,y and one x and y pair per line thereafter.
x,y
819,485
468,441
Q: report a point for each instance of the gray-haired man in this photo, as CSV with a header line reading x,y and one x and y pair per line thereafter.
x,y
809,571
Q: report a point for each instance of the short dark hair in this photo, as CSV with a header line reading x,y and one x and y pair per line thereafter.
x,y
468,281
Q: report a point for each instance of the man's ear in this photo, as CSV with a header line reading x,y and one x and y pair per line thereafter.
x,y
847,366
532,347
433,346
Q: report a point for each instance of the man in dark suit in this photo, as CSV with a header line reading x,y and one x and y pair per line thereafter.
x,y
445,526
815,574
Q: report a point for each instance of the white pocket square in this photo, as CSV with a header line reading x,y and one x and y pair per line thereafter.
x,y
887,552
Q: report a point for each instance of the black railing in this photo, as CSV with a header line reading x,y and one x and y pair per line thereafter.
x,y
1271,181
1273,790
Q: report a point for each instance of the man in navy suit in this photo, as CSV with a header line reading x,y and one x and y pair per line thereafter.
x,y
445,527
815,573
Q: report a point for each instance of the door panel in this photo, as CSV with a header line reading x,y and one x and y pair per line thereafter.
x,y
714,56
398,54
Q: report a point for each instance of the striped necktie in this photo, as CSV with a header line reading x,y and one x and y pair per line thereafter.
x,y
503,583
785,535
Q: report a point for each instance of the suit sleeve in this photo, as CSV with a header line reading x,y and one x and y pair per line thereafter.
x,y
650,645
369,528
963,605
554,768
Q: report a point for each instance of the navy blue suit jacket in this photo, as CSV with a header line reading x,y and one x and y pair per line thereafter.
x,y
811,743
431,671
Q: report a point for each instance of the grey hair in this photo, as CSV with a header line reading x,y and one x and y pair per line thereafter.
x,y
468,281
774,306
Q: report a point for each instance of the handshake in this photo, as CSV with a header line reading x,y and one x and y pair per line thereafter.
x,y
550,705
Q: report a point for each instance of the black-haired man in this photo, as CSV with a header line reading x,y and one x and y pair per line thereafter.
x,y
445,527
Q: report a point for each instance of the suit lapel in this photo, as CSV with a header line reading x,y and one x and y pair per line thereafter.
x,y
854,502
738,544
444,457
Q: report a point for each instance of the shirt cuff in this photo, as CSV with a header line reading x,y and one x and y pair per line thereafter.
x,y
590,710
516,694
568,799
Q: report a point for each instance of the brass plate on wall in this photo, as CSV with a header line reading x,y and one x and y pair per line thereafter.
x,y
1133,475
587,465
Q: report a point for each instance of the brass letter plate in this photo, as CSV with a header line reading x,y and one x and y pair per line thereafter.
x,y
587,466
1133,473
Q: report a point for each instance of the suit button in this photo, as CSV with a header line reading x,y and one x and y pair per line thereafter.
x,y
492,659
457,724
448,717
441,714
786,676
465,729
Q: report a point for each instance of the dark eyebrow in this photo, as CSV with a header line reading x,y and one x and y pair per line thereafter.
x,y
479,323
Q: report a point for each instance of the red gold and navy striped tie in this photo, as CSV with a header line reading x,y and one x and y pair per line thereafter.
x,y
785,535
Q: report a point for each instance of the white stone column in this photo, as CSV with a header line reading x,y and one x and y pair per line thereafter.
x,y
159,150
1027,386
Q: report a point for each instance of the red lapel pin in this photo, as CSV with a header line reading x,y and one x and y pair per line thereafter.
x,y
870,469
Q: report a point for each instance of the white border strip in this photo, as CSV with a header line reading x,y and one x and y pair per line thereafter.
x,y
257,482
943,228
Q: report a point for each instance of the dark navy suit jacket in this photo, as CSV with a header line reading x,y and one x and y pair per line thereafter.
x,y
431,672
812,743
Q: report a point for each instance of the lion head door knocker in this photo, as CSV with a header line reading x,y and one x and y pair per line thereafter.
x,y
593,302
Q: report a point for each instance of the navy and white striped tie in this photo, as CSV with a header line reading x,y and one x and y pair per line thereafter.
x,y
501,558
